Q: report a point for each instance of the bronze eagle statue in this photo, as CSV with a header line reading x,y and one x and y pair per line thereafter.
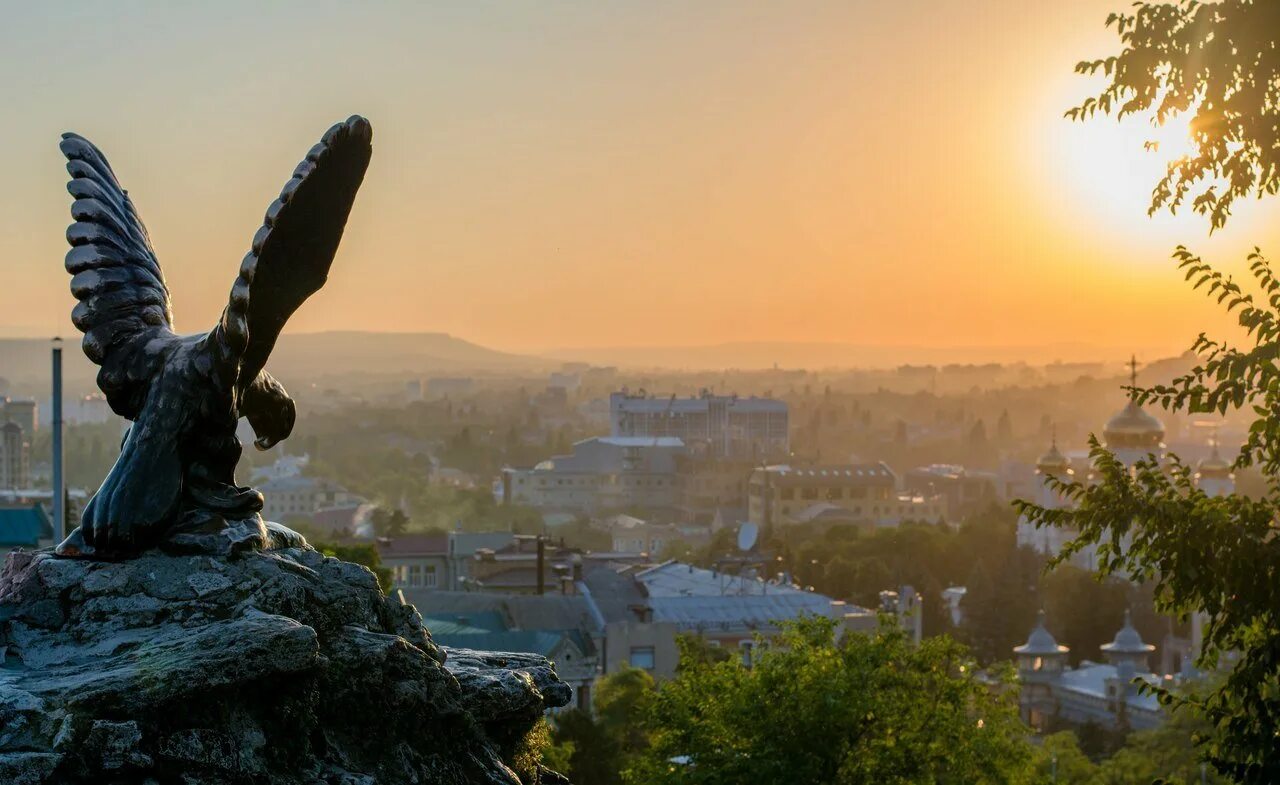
x,y
185,394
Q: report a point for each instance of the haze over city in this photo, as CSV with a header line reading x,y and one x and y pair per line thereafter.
x,y
591,176
640,392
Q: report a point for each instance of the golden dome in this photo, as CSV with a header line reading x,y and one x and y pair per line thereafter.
x,y
1053,460
1133,424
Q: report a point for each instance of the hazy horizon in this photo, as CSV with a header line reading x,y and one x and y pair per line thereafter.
x,y
624,176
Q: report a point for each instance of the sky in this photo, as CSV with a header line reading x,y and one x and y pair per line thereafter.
x,y
578,174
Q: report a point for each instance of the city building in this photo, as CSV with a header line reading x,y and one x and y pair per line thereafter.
x,y
91,409
1131,435
438,560
632,535
602,473
725,426
449,386
561,628
726,610
1214,475
711,484
15,457
862,494
292,497
284,466
22,411
963,491
1102,693
1050,540
564,380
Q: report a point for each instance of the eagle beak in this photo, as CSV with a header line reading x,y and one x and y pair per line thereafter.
x,y
263,443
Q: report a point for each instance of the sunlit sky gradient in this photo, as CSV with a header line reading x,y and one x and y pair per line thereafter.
x,y
606,173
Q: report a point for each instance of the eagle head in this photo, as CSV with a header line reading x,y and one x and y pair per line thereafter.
x,y
271,412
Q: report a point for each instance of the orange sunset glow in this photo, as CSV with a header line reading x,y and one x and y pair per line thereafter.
x,y
593,175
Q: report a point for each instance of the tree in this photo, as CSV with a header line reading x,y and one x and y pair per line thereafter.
x,y
1218,63
866,709
1083,612
598,746
389,522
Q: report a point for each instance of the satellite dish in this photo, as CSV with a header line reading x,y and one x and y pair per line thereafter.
x,y
747,534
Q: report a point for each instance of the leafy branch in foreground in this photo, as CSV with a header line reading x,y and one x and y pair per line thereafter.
x,y
1219,63
1218,555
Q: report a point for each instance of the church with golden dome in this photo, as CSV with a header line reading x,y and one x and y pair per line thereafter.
x,y
1131,434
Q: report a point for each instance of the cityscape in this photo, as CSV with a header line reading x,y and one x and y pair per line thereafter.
x,y
801,405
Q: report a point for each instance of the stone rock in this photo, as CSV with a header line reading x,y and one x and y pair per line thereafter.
x,y
256,666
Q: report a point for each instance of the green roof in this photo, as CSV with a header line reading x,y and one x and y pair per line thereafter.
x,y
474,623
541,642
24,526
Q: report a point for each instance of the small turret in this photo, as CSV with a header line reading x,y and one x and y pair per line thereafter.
x,y
1041,656
1128,650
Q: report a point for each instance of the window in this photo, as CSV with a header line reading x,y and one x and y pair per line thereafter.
x,y
429,577
415,575
642,657
808,493
746,649
835,493
788,493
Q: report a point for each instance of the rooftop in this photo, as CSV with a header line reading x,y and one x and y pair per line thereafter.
x,y
433,544
24,526
851,473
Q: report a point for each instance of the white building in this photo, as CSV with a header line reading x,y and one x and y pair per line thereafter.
x,y
15,457
1213,474
602,473
294,497
725,425
1101,693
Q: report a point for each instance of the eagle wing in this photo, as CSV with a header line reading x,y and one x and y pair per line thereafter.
x,y
293,250
124,309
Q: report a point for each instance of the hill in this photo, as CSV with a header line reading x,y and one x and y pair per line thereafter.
x,y
24,362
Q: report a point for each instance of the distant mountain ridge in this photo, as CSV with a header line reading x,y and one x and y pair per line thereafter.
x,y
24,362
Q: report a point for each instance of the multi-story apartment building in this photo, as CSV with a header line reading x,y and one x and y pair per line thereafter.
x,y
290,497
22,411
726,426
856,493
15,462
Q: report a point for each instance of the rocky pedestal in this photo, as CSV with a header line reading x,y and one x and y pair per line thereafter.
x,y
282,667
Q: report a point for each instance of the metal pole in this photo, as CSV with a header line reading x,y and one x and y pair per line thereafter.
x,y
542,558
59,480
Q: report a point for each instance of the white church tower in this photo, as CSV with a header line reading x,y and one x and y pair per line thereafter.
x,y
1048,539
1213,474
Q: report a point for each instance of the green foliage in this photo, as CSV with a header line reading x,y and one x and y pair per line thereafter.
x,y
1219,555
869,709
389,522
1083,611
696,651
1215,554
1217,62
366,555
594,749
1220,63
1164,754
